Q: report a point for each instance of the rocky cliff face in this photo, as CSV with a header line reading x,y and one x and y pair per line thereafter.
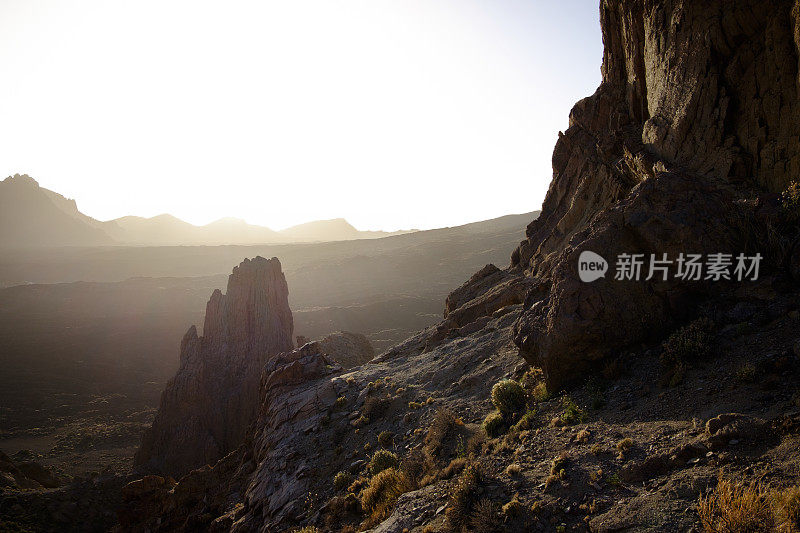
x,y
693,126
209,404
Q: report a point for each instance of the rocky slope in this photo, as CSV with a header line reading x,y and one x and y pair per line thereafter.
x,y
682,148
209,404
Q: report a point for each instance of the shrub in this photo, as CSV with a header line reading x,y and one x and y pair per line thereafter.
x,y
375,407
381,460
625,444
531,378
508,396
414,405
514,507
476,443
485,518
382,492
572,413
342,480
456,466
688,344
558,471
385,438
559,464
464,497
540,392
341,401
443,428
493,424
732,508
513,469
526,421
417,465
790,201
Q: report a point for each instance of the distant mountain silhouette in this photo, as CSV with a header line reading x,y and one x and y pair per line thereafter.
x,y
336,229
169,230
33,216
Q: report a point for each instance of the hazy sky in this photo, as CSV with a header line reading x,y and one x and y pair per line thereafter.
x,y
392,114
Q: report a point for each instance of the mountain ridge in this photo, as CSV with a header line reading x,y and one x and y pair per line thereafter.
x,y
55,214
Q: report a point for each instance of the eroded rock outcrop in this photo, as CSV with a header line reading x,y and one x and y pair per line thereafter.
x,y
681,149
207,407
345,348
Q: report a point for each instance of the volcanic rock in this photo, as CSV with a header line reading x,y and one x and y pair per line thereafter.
x,y
209,404
694,126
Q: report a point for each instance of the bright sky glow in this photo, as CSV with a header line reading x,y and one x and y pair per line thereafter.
x,y
392,114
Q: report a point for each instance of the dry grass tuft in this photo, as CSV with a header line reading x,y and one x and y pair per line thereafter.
x,y
444,427
382,493
486,517
736,508
624,445
788,501
464,498
456,466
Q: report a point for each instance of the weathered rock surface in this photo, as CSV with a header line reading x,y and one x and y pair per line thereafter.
x,y
347,349
693,126
207,407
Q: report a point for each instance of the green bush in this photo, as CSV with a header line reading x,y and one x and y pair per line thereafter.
x,y
342,480
381,460
493,424
688,344
508,396
526,421
572,413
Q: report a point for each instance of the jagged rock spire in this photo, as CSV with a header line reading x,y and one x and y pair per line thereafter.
x,y
206,408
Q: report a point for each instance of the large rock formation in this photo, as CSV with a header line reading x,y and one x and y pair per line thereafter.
x,y
347,349
209,404
693,126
